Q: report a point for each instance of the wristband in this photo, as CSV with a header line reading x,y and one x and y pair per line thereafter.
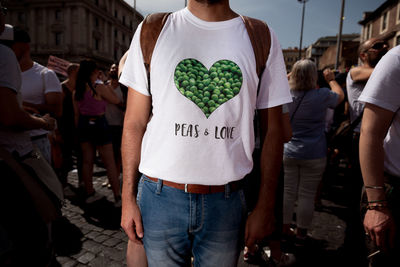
x,y
377,201
378,206
374,187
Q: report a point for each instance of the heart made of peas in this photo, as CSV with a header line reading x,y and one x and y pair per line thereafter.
x,y
208,89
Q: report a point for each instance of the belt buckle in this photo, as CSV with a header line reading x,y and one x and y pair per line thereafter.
x,y
186,187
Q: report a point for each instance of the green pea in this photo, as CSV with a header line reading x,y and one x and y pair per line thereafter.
x,y
216,80
214,97
221,101
205,109
206,82
206,76
212,69
192,81
206,99
212,109
188,94
185,83
235,90
216,91
207,94
201,104
200,86
211,103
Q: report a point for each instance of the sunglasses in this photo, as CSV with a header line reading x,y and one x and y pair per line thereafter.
x,y
3,11
378,45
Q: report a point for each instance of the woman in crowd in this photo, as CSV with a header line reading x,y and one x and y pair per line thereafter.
x,y
305,154
90,101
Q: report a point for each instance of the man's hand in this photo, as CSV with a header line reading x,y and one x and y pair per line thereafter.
x,y
260,224
131,221
50,122
379,225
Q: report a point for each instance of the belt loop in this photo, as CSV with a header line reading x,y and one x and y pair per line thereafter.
x,y
227,190
159,186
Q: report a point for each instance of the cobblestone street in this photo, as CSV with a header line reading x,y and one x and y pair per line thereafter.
x,y
94,237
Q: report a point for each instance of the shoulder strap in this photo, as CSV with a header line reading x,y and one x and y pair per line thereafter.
x,y
151,29
260,38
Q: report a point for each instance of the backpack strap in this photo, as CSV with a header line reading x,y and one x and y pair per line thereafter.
x,y
151,29
260,38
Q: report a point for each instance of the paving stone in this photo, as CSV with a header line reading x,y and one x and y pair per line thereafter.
x,y
108,232
70,263
121,246
111,242
120,235
93,235
86,258
92,246
63,260
101,238
77,255
100,261
118,255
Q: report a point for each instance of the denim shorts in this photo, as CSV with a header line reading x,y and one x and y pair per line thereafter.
x,y
179,225
94,129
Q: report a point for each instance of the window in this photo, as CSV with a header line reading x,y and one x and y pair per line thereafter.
x,y
96,44
96,22
96,2
58,14
123,37
367,31
58,38
21,17
123,20
384,21
397,40
115,14
115,33
131,25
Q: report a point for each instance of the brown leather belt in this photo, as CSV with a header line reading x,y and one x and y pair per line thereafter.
x,y
201,189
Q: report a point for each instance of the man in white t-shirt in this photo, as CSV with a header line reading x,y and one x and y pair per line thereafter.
x,y
380,160
191,135
41,90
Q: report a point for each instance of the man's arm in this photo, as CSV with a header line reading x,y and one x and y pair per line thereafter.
x,y
136,118
375,123
13,117
361,74
261,221
52,105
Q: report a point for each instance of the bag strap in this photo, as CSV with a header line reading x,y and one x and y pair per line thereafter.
x,y
260,38
151,29
298,105
42,202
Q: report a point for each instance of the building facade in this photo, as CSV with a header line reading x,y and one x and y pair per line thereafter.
x,y
384,23
317,50
291,55
76,29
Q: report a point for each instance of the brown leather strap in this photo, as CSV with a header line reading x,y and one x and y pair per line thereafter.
x,y
151,29
201,189
260,38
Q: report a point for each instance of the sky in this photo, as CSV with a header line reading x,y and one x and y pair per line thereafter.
x,y
284,16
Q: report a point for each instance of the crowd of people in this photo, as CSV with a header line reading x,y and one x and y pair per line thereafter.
x,y
187,154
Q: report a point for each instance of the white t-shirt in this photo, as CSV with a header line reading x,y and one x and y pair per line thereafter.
x,y
114,114
354,91
201,131
36,83
10,77
382,90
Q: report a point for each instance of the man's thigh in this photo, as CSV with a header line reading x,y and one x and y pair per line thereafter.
x,y
165,216
219,235
178,225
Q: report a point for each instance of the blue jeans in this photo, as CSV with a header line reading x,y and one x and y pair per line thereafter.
x,y
179,225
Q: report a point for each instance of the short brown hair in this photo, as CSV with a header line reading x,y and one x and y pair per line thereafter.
x,y
304,75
